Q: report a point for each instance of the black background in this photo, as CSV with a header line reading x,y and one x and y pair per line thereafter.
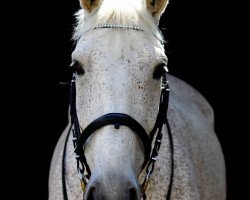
x,y
201,49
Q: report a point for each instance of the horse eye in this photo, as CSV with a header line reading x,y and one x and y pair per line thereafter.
x,y
76,67
159,70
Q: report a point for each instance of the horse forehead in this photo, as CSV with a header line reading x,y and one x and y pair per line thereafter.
x,y
115,46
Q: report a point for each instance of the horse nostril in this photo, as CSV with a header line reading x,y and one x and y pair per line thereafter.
x,y
90,195
133,194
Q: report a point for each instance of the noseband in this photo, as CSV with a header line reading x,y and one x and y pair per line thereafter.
x,y
117,120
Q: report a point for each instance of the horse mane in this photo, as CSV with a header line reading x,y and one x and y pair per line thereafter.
x,y
119,12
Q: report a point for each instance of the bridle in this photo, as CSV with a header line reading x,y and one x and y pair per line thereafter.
x,y
121,119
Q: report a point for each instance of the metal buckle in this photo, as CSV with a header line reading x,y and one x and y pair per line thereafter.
x,y
144,185
82,179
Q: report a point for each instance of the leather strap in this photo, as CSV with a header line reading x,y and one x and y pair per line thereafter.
x,y
120,119
116,119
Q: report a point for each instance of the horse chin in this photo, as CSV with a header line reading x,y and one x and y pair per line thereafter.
x,y
113,187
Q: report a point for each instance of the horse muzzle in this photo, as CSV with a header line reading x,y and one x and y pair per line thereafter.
x,y
112,189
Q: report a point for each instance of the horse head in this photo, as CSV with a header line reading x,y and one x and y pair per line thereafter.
x,y
118,49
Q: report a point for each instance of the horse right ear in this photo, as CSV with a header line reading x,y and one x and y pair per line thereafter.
x,y
156,7
89,5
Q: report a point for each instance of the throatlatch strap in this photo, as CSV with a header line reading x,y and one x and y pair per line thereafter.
x,y
64,187
171,144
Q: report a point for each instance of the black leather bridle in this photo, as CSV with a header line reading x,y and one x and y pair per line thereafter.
x,y
121,119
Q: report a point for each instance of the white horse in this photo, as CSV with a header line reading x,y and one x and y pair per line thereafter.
x,y
119,48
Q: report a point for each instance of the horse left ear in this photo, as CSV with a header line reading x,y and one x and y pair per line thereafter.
x,y
157,7
89,5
